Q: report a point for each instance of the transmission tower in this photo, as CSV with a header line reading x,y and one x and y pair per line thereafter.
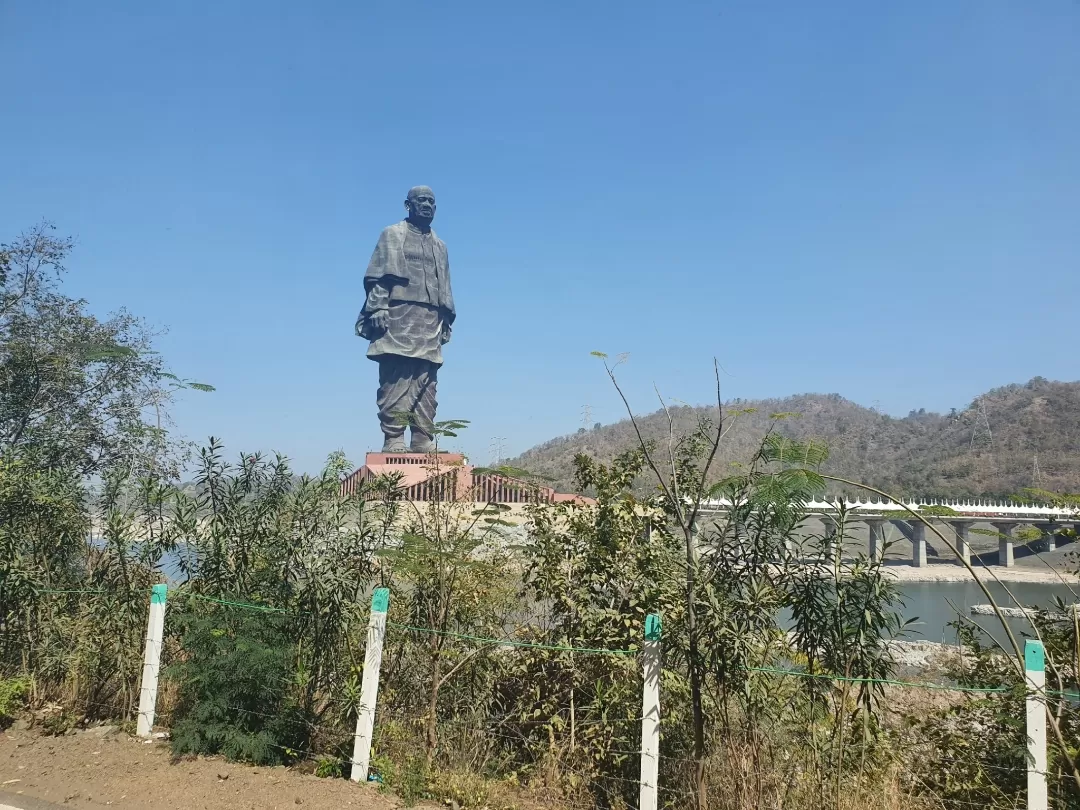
x,y
586,416
497,450
981,435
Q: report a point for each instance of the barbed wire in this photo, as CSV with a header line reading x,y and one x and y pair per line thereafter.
x,y
512,642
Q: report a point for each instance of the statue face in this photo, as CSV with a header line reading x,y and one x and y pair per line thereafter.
x,y
421,204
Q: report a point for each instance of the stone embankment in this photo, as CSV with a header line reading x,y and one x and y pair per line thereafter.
x,y
1020,612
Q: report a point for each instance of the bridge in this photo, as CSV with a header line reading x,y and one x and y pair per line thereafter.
x,y
960,515
449,476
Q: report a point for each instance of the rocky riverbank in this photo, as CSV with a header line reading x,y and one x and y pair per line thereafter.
x,y
922,656
957,573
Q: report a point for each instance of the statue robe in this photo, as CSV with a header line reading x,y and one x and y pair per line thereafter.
x,y
409,277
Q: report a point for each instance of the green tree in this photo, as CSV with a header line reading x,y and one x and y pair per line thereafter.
x,y
76,391
594,572
736,532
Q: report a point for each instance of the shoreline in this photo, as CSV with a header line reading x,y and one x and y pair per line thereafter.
x,y
951,572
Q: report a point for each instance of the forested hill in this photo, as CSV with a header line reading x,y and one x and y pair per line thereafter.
x,y
955,454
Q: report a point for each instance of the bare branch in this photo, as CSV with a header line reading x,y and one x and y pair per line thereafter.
x,y
644,447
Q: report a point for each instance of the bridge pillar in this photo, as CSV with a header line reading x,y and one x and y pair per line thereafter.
x,y
1005,542
832,549
877,538
963,541
1049,538
918,544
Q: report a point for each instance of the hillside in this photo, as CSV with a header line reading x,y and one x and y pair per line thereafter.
x,y
932,454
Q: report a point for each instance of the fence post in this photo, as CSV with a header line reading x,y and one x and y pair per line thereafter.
x,y
1035,673
650,715
369,687
155,633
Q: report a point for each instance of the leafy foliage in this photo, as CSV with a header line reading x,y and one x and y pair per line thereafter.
x,y
12,696
975,751
236,697
75,391
87,643
448,576
594,576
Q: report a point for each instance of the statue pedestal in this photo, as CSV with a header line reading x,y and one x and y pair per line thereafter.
x,y
449,477
423,476
413,459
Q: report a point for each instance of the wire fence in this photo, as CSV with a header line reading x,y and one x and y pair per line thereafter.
x,y
499,729
634,651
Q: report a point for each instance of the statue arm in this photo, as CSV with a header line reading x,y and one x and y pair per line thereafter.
x,y
447,300
374,317
378,297
377,301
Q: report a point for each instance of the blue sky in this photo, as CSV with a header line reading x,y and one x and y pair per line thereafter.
x,y
879,200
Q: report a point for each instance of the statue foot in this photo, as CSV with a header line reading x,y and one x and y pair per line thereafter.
x,y
421,443
394,444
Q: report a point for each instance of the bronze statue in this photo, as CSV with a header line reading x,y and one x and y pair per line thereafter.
x,y
407,317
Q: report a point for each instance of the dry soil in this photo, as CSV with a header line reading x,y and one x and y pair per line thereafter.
x,y
97,769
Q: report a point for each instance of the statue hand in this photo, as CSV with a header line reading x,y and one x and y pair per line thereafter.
x,y
444,338
379,319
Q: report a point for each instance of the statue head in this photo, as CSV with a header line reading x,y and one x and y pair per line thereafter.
x,y
420,203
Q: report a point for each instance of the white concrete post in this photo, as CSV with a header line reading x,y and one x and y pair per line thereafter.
x,y
963,539
1035,673
155,634
1005,544
369,686
918,543
877,539
650,715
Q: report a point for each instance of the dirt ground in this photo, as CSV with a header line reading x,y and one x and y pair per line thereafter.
x,y
92,770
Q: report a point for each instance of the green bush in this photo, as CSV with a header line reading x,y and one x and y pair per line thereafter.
x,y
12,699
413,785
235,691
329,767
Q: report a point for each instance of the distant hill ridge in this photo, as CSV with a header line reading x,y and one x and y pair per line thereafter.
x,y
987,449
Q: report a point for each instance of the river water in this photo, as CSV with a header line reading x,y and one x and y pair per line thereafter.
x,y
930,603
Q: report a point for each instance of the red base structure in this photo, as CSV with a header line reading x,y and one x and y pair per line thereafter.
x,y
449,476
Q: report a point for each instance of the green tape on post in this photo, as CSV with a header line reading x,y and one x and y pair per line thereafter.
x,y
157,594
1034,656
380,600
652,627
